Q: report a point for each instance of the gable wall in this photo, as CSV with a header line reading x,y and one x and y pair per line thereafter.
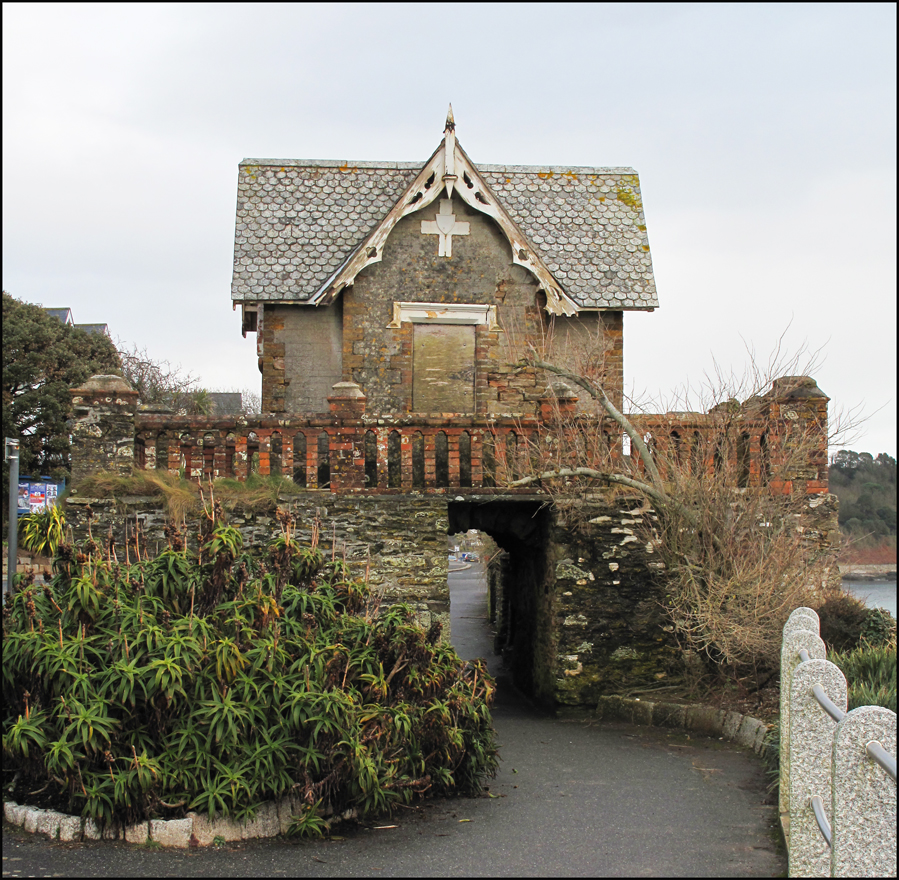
x,y
590,344
301,356
480,271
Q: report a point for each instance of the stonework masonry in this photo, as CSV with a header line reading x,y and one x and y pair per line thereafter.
x,y
302,354
399,539
304,344
103,426
578,603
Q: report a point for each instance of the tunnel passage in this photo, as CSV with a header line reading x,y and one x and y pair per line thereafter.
x,y
522,613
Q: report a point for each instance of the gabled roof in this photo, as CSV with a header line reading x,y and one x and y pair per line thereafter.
x,y
64,315
306,228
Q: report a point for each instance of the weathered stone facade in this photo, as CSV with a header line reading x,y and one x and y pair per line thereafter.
x,y
326,254
392,303
399,539
578,606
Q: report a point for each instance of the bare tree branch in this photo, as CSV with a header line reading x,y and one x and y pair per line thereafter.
x,y
597,393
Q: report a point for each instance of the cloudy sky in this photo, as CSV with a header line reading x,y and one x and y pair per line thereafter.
x,y
764,136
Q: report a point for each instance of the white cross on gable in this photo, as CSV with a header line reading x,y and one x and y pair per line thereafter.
x,y
445,226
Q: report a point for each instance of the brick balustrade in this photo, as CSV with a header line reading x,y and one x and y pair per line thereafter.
x,y
350,450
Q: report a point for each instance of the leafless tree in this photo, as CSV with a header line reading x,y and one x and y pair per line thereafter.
x,y
161,382
743,530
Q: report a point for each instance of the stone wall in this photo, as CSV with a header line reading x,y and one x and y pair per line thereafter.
x,y
579,613
297,344
399,539
575,597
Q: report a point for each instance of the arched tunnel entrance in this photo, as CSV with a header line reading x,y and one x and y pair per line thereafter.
x,y
519,585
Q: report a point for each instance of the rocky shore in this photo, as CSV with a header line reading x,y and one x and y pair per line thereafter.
x,y
868,572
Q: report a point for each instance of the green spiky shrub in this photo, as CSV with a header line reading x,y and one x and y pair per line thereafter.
x,y
222,679
43,531
870,672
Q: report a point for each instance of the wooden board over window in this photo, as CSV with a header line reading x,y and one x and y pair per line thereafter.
x,y
443,368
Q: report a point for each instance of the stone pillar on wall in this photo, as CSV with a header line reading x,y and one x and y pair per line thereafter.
x,y
798,415
103,426
557,402
347,455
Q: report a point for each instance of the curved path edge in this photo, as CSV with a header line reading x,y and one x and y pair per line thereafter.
x,y
707,720
275,817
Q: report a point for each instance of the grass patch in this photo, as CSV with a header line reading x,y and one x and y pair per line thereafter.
x,y
256,493
182,497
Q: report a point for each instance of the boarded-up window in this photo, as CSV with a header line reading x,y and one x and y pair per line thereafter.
x,y
443,368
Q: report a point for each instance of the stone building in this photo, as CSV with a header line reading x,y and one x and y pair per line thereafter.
x,y
412,279
390,301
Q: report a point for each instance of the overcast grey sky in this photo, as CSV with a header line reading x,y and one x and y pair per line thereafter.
x,y
764,136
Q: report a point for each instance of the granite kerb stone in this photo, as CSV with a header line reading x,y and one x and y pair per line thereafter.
x,y
272,818
731,726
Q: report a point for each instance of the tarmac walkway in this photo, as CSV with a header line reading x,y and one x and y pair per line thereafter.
x,y
572,798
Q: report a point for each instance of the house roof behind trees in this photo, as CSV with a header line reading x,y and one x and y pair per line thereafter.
x,y
64,315
93,328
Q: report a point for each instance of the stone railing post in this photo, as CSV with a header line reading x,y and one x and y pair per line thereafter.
x,y
864,796
800,631
811,764
347,455
103,426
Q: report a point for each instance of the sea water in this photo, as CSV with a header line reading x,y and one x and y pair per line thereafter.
x,y
875,594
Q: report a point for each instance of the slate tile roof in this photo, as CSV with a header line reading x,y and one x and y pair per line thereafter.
x,y
299,221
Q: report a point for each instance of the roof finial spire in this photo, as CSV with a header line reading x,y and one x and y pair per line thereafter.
x,y
449,153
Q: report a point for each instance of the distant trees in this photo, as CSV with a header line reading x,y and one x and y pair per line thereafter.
x,y
42,359
159,382
866,487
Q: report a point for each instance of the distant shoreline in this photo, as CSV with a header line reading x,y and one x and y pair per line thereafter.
x,y
854,572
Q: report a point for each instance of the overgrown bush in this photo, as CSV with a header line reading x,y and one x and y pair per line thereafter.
x,y
221,679
843,618
879,627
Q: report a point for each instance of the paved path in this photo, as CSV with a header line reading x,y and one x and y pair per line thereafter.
x,y
571,799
